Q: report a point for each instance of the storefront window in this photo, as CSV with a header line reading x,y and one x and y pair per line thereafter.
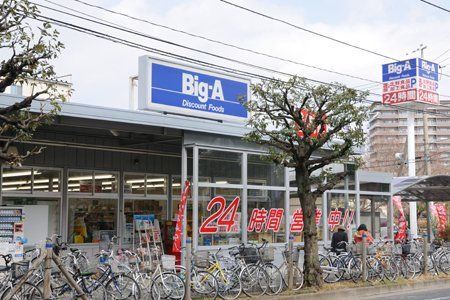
x,y
92,220
46,180
156,185
210,219
341,211
374,212
81,181
263,172
41,217
106,182
134,184
266,219
17,180
296,218
220,166
374,186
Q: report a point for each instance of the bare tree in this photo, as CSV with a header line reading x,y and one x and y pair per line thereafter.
x,y
26,49
308,128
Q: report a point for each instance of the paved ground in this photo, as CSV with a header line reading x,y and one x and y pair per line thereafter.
x,y
436,293
426,290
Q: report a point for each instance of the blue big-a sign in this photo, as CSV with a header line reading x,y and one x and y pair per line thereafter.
x,y
191,91
400,70
428,70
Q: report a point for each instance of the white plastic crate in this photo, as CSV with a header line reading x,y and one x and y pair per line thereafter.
x,y
168,262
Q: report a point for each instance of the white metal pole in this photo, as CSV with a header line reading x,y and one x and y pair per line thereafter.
x,y
412,170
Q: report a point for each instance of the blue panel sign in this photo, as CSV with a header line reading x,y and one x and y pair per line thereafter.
x,y
191,91
428,70
400,70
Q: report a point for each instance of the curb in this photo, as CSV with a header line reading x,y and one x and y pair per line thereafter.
x,y
349,293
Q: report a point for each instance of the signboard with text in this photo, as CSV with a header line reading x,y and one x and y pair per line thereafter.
x,y
410,81
186,90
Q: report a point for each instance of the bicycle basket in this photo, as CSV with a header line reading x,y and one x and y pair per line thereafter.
x,y
168,262
268,254
19,269
201,259
295,256
250,255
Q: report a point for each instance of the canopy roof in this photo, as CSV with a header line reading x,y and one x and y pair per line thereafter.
x,y
422,188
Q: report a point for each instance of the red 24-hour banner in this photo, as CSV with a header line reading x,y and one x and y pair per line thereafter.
x,y
176,247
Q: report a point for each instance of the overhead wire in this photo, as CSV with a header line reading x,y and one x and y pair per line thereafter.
x,y
129,30
201,37
115,39
435,5
313,32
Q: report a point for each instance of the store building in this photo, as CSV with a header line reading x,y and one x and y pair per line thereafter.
x,y
103,166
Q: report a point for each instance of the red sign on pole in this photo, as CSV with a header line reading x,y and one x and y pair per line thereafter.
x,y
176,247
442,218
400,236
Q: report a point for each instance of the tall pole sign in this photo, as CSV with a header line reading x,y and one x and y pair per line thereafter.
x,y
411,83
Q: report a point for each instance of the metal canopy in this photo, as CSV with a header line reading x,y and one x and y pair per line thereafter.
x,y
422,188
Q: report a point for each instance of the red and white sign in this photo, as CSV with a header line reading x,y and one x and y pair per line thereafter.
x,y
176,247
398,97
428,97
308,118
399,85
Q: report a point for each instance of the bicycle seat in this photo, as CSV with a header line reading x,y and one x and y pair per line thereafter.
x,y
74,250
327,248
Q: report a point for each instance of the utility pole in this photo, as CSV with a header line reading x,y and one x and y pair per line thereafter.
x,y
412,158
426,158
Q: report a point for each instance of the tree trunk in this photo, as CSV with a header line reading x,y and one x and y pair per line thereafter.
x,y
311,266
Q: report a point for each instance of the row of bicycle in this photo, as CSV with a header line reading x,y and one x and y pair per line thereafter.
x,y
385,260
242,270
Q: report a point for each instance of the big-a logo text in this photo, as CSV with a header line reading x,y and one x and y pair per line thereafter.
x,y
203,91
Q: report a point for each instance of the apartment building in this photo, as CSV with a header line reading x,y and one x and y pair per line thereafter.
x,y
387,136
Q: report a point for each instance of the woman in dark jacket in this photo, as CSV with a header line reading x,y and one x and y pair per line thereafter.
x,y
339,236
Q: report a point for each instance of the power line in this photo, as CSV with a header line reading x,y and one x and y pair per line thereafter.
x,y
312,32
115,39
128,30
306,30
201,37
435,5
442,54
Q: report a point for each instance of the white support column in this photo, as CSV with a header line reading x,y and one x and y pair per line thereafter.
x,y
412,170
287,204
244,202
195,199
183,180
390,216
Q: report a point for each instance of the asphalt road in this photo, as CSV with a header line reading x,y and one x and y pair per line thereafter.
x,y
430,293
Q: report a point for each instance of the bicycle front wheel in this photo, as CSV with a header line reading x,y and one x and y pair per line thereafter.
x,y
230,286
204,285
275,279
167,286
27,291
122,286
254,280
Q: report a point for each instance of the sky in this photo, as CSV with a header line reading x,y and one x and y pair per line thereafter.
x,y
100,69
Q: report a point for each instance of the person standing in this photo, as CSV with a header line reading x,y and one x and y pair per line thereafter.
x,y
337,240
